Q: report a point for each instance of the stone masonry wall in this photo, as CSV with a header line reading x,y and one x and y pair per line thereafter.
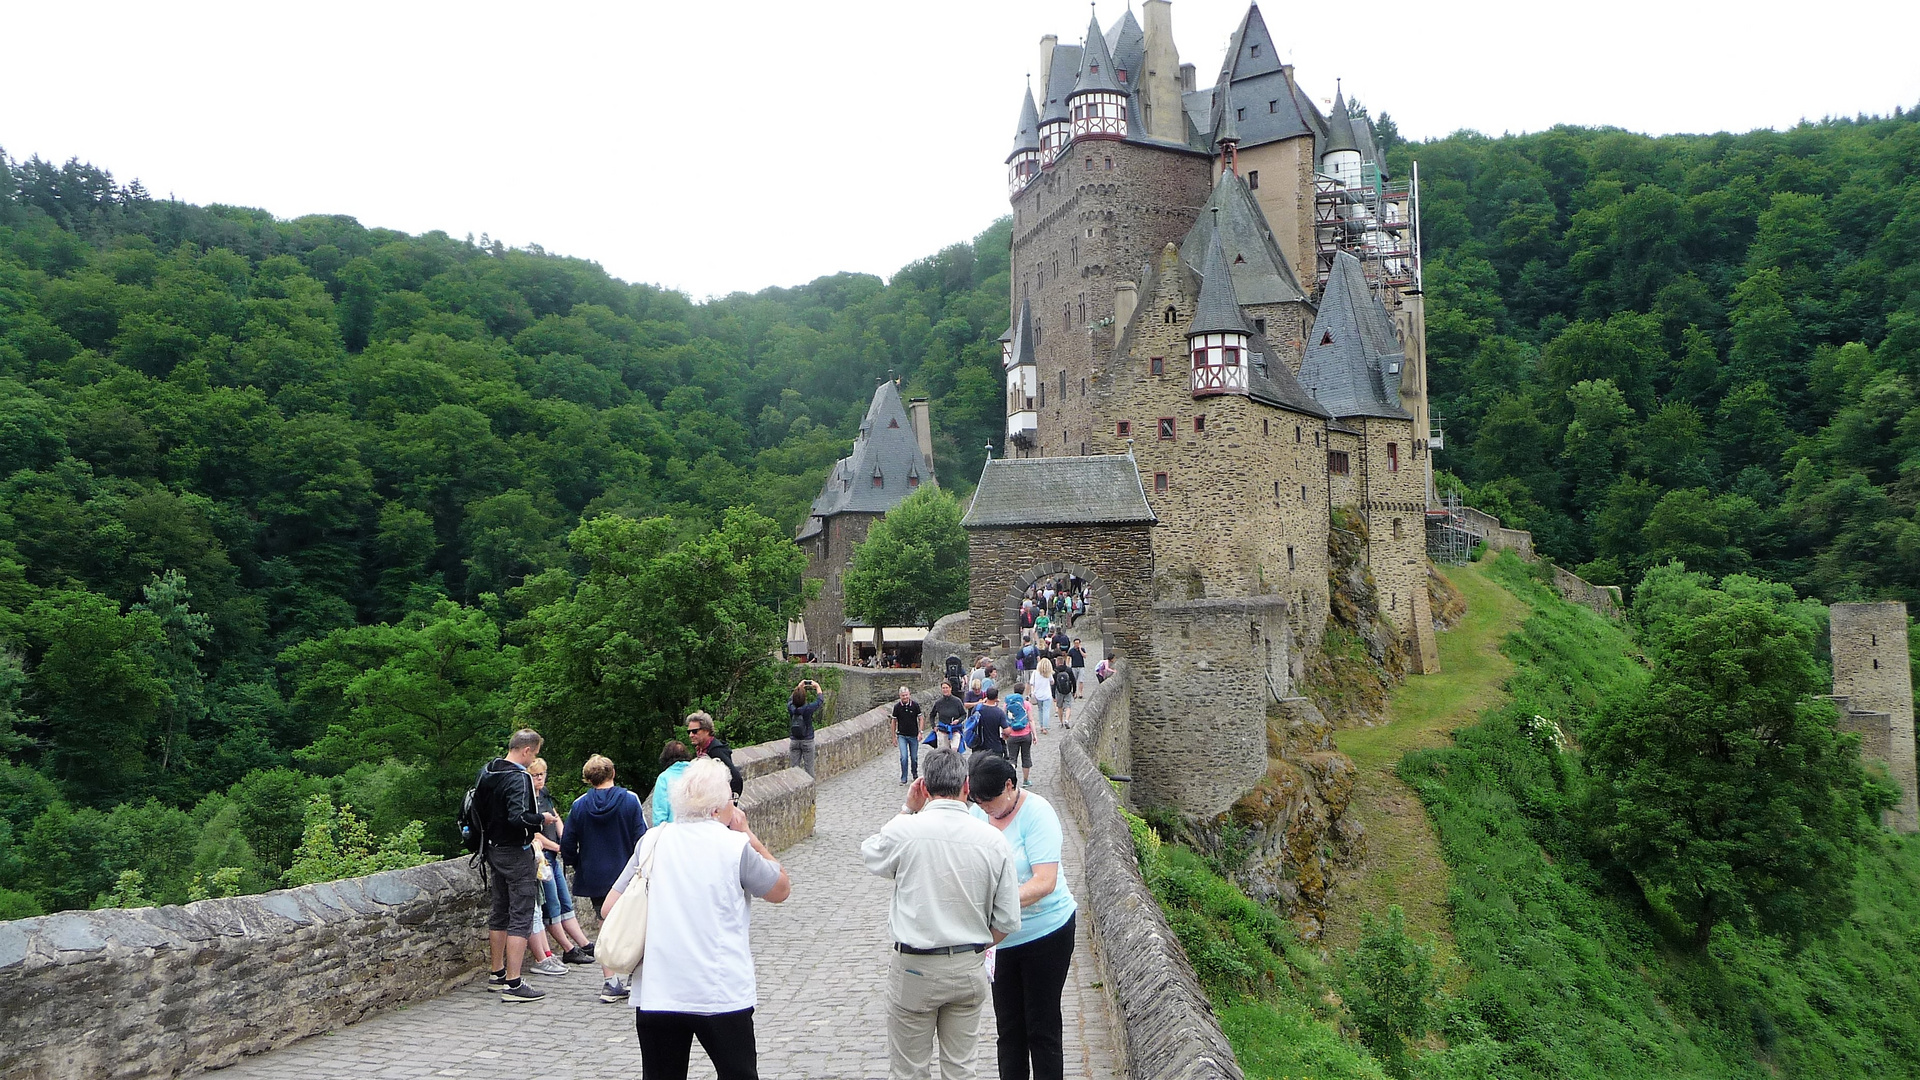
x,y
828,556
1171,1032
1116,559
861,688
1077,233
1872,672
1604,599
950,636
1285,196
173,991
1199,711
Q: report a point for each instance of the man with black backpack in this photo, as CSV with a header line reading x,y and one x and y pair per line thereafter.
x,y
1065,683
503,804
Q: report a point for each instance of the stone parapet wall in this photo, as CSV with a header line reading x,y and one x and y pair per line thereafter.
x,y
176,990
1171,1032
1605,599
1217,663
950,636
780,807
859,689
837,748
1873,675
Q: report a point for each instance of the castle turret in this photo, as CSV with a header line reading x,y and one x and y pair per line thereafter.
x,y
1023,164
1023,381
1057,78
1226,130
1097,107
1340,157
1218,335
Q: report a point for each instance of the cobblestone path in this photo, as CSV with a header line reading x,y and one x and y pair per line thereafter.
x,y
820,957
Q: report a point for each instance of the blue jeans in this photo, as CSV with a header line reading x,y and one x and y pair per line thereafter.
x,y
909,756
1046,714
556,898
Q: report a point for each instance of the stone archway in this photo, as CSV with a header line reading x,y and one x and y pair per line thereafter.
x,y
1097,592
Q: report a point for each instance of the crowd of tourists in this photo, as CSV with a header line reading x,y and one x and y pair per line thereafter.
x,y
981,906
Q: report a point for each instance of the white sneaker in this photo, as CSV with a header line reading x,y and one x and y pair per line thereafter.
x,y
550,966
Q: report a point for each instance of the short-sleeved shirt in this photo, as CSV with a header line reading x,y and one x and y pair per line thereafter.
x,y
906,718
1035,837
699,959
992,719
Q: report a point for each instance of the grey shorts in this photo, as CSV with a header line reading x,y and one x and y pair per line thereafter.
x,y
515,886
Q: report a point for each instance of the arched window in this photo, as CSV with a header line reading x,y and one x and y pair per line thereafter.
x,y
1170,317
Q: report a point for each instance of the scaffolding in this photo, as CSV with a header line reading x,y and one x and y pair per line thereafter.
x,y
1373,219
1448,540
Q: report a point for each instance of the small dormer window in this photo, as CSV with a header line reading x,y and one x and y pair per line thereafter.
x,y
1256,50
893,423
1170,316
1273,106
1326,337
1239,259
1121,73
1093,69
913,480
1239,114
1253,179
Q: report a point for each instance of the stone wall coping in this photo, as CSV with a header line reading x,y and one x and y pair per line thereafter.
x,y
1171,1031
69,936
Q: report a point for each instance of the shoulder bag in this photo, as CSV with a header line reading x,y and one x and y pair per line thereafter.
x,y
622,943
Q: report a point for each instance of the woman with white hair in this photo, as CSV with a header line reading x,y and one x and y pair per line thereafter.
x,y
697,980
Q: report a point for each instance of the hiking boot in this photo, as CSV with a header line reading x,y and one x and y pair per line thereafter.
x,y
497,980
514,995
550,966
577,955
613,990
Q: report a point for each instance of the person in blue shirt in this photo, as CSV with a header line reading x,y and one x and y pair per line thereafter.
x,y
673,761
1030,966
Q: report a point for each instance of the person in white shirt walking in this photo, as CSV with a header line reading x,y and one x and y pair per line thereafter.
x,y
955,893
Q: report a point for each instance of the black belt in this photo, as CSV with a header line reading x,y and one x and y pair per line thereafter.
x,y
944,950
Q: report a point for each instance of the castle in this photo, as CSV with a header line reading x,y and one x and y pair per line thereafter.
x,y
892,456
1220,286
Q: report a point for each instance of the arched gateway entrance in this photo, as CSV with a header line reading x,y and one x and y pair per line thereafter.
x,y
1035,518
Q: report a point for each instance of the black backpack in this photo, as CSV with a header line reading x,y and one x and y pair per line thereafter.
x,y
473,830
1063,682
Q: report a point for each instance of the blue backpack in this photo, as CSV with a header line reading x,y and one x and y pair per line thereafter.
x,y
1017,720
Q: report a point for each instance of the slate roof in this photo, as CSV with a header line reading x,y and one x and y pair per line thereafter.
x,y
1339,128
1276,108
1101,490
1269,379
1369,145
1225,130
1261,272
886,446
1217,311
1060,80
1353,358
1022,331
1027,135
1096,64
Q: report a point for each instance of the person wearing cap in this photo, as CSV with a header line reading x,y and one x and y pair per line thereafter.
x,y
956,892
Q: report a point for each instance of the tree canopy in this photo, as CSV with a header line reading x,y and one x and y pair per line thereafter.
x,y
912,567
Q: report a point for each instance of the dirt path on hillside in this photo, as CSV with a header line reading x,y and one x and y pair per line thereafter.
x,y
1403,864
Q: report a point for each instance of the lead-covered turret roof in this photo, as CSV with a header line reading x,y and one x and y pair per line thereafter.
x,y
1260,270
887,447
1096,65
1027,136
1353,358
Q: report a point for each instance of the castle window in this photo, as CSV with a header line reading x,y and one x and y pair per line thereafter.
x,y
1239,114
913,481
1396,528
1260,327
1273,106
1326,337
1159,483
1036,337
1303,493
1876,663
1166,429
1093,69
893,423
1083,388
1292,563
1157,365
879,481
1265,429
1298,435
1170,316
1276,491
1199,424
1337,463
1043,395
1063,384
1873,639
1066,315
1121,73
1123,429
1393,457
1109,164
1089,164
1316,438
1393,601
1256,50
1253,179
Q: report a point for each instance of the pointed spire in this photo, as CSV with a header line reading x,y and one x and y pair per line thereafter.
x,y
1217,311
1339,126
1096,64
1022,351
1027,136
1226,131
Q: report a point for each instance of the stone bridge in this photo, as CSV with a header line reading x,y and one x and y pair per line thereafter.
x,y
384,976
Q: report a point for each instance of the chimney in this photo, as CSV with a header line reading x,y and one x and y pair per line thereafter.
x,y
1166,116
1126,298
1188,80
1046,68
922,431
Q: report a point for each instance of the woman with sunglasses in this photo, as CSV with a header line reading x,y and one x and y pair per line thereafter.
x,y
1030,966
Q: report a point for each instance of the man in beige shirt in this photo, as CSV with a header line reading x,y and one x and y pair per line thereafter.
x,y
955,892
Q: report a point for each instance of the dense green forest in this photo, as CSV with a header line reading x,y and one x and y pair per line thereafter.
x,y
295,508
1701,347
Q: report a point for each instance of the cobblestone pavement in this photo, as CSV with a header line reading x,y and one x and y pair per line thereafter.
x,y
820,960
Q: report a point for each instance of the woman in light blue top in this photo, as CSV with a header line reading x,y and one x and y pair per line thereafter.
x,y
1030,966
673,762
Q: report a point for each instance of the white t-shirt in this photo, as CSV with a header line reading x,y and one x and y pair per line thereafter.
x,y
699,959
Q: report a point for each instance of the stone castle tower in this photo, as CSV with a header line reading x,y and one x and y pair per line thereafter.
x,y
1873,686
1222,285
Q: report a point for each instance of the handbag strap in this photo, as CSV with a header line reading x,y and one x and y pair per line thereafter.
x,y
648,846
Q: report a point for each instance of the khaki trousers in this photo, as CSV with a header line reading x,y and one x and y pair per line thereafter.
x,y
934,999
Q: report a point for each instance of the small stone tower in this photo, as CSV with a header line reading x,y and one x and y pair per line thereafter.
x,y
1873,686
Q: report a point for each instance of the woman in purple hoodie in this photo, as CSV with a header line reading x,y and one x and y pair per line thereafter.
x,y
602,831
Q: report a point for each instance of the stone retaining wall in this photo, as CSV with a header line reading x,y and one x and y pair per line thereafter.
x,y
1171,1032
173,991
858,689
1605,599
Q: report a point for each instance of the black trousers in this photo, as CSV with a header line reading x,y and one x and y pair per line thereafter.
x,y
1027,983
666,1042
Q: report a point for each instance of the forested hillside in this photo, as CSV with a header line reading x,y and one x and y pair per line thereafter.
x,y
286,507
1701,347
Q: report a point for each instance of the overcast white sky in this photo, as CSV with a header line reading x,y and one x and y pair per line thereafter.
x,y
721,146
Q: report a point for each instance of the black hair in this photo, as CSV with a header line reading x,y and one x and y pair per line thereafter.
x,y
989,775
